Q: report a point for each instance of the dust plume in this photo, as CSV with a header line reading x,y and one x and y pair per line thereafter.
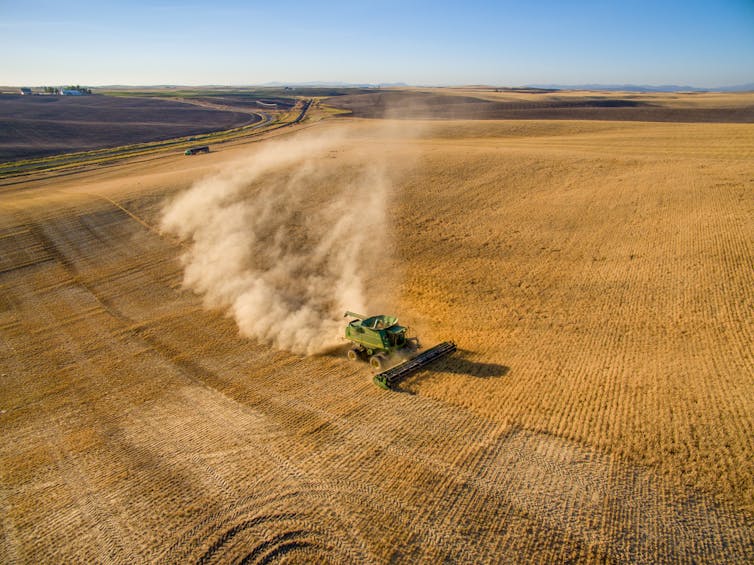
x,y
283,242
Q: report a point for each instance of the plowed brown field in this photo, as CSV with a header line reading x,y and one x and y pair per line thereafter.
x,y
38,126
597,277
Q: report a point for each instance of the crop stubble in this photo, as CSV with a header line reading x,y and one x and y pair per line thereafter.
x,y
598,286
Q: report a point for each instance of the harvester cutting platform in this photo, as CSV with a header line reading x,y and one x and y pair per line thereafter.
x,y
380,338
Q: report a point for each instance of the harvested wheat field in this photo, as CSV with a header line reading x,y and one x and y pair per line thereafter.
x,y
174,388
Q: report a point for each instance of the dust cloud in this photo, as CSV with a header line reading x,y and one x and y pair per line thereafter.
x,y
284,241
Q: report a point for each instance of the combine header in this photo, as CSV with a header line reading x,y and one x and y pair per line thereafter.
x,y
386,379
380,339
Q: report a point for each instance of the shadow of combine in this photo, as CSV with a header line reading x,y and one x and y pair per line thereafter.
x,y
460,364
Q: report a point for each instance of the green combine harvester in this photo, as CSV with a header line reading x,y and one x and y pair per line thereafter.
x,y
380,339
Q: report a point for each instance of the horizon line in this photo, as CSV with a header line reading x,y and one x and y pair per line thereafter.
x,y
398,84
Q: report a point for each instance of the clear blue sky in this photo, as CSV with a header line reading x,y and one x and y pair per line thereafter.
x,y
509,43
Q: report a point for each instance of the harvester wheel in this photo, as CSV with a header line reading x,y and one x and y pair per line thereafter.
x,y
376,361
352,355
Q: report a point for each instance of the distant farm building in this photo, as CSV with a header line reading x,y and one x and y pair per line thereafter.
x,y
26,92
68,92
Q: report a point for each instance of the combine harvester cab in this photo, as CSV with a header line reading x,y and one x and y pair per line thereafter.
x,y
380,338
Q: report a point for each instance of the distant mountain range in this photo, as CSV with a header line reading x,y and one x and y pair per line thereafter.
x,y
622,87
334,84
338,84
646,87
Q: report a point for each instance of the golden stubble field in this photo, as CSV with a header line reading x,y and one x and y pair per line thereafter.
x,y
595,275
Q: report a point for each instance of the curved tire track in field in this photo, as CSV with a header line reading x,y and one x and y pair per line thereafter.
x,y
49,234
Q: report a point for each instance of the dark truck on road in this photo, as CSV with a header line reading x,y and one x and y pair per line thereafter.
x,y
195,150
